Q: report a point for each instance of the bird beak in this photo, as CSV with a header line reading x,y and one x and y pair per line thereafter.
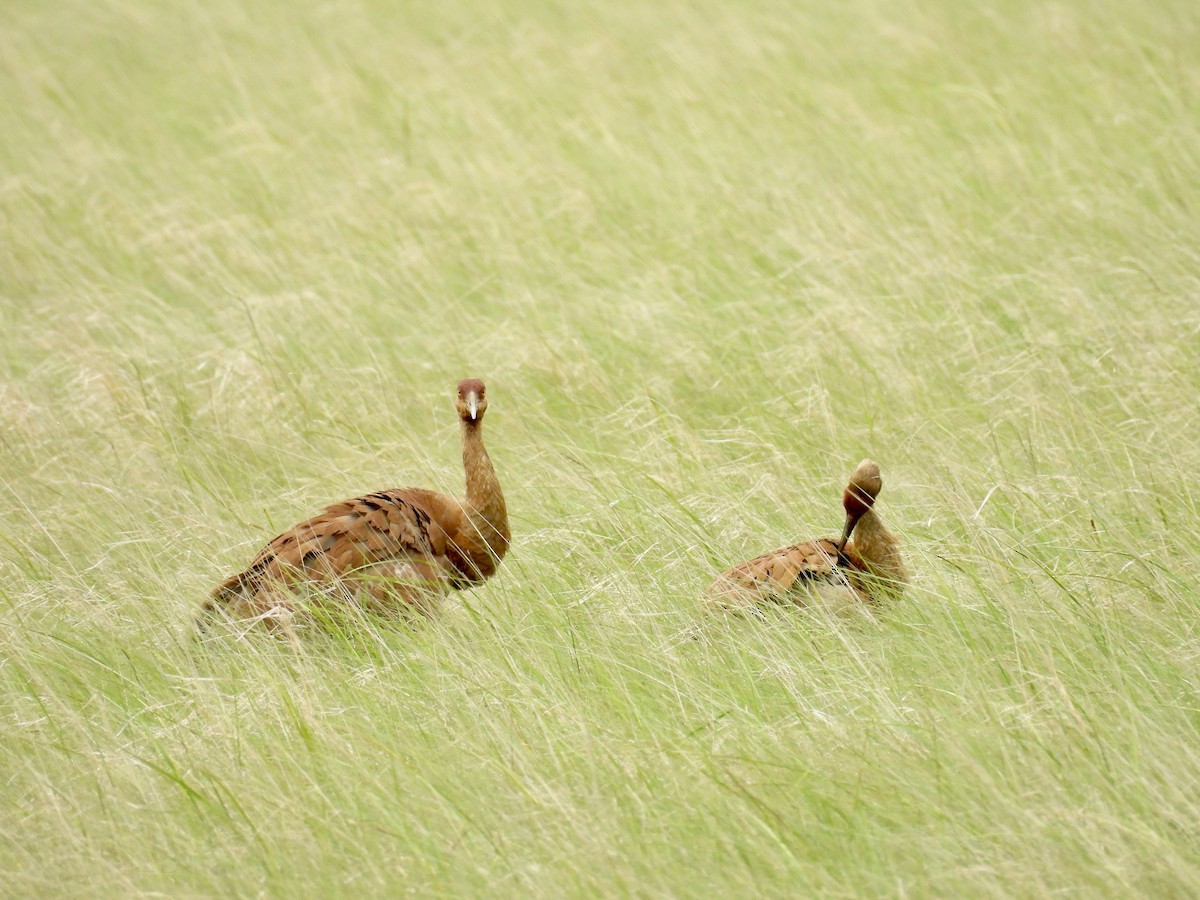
x,y
473,405
851,521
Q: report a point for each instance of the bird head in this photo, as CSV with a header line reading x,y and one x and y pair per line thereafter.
x,y
472,401
859,496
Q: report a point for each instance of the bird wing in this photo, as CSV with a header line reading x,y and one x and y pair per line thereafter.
x,y
374,528
774,574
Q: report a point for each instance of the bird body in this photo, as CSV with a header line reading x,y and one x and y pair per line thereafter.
x,y
392,551
809,573
833,575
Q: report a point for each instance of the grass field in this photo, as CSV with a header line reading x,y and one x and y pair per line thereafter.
x,y
707,256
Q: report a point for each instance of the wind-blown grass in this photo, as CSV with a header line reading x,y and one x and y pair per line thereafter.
x,y
706,256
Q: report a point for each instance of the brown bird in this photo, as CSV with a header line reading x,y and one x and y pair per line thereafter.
x,y
834,575
393,551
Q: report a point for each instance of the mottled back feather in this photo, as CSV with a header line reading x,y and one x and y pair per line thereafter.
x,y
786,574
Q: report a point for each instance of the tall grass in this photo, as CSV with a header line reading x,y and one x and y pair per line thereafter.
x,y
706,256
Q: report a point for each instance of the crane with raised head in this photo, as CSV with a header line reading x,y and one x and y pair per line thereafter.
x,y
393,551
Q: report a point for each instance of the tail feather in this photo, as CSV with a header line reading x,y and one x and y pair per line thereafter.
x,y
234,588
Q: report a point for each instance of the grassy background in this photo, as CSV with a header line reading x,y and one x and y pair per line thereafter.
x,y
706,256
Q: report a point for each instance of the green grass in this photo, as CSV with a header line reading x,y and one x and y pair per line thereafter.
x,y
706,256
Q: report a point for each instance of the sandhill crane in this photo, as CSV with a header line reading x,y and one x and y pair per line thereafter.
x,y
393,551
834,575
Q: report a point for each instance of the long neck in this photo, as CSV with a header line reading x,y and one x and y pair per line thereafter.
x,y
879,549
486,511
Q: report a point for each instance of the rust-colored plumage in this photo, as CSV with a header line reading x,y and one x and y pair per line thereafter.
x,y
393,551
835,575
